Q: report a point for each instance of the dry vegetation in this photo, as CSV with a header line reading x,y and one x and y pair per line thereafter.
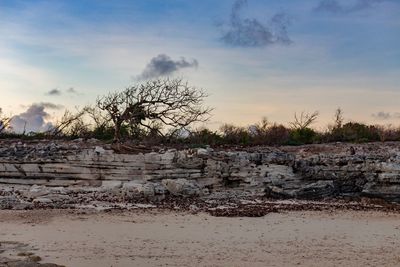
x,y
165,110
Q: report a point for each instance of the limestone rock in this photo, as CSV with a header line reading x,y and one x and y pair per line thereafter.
x,y
55,169
8,202
42,200
37,191
99,150
111,185
139,189
181,187
317,190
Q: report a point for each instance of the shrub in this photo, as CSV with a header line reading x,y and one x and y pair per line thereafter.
x,y
103,133
235,135
302,136
277,134
388,133
358,132
204,136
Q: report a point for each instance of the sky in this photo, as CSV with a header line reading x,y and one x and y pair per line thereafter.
x,y
255,58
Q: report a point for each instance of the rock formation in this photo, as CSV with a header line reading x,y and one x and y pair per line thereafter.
x,y
51,171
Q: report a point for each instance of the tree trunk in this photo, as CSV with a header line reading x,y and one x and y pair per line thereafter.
x,y
117,131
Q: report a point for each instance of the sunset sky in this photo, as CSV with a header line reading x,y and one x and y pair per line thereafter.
x,y
255,58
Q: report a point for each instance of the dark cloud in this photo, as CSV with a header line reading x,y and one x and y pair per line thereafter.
x,y
34,118
336,7
163,65
54,92
49,105
250,32
72,90
58,92
381,115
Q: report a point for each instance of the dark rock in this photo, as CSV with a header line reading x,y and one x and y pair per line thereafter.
x,y
317,190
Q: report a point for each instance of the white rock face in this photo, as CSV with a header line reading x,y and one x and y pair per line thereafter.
x,y
316,171
202,152
99,150
38,191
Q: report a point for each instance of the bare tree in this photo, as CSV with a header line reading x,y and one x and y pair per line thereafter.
x,y
338,119
260,128
304,120
4,121
99,118
168,102
70,124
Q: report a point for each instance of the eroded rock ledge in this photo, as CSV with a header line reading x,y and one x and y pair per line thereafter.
x,y
41,173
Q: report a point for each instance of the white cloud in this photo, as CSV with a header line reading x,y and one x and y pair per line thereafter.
x,y
34,119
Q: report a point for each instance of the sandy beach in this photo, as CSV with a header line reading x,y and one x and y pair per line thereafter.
x,y
154,238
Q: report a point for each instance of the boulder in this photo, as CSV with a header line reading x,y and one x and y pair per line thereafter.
x,y
37,191
99,150
139,189
111,185
182,187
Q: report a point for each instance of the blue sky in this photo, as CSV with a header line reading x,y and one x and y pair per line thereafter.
x,y
255,58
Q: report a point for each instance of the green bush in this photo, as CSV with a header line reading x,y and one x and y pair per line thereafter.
x,y
235,135
357,132
204,137
103,133
302,136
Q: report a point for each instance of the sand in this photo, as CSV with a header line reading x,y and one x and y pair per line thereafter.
x,y
150,238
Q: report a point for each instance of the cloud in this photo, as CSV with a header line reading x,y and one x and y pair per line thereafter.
x,y
54,92
163,65
250,32
49,105
381,115
72,90
58,92
335,7
34,118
